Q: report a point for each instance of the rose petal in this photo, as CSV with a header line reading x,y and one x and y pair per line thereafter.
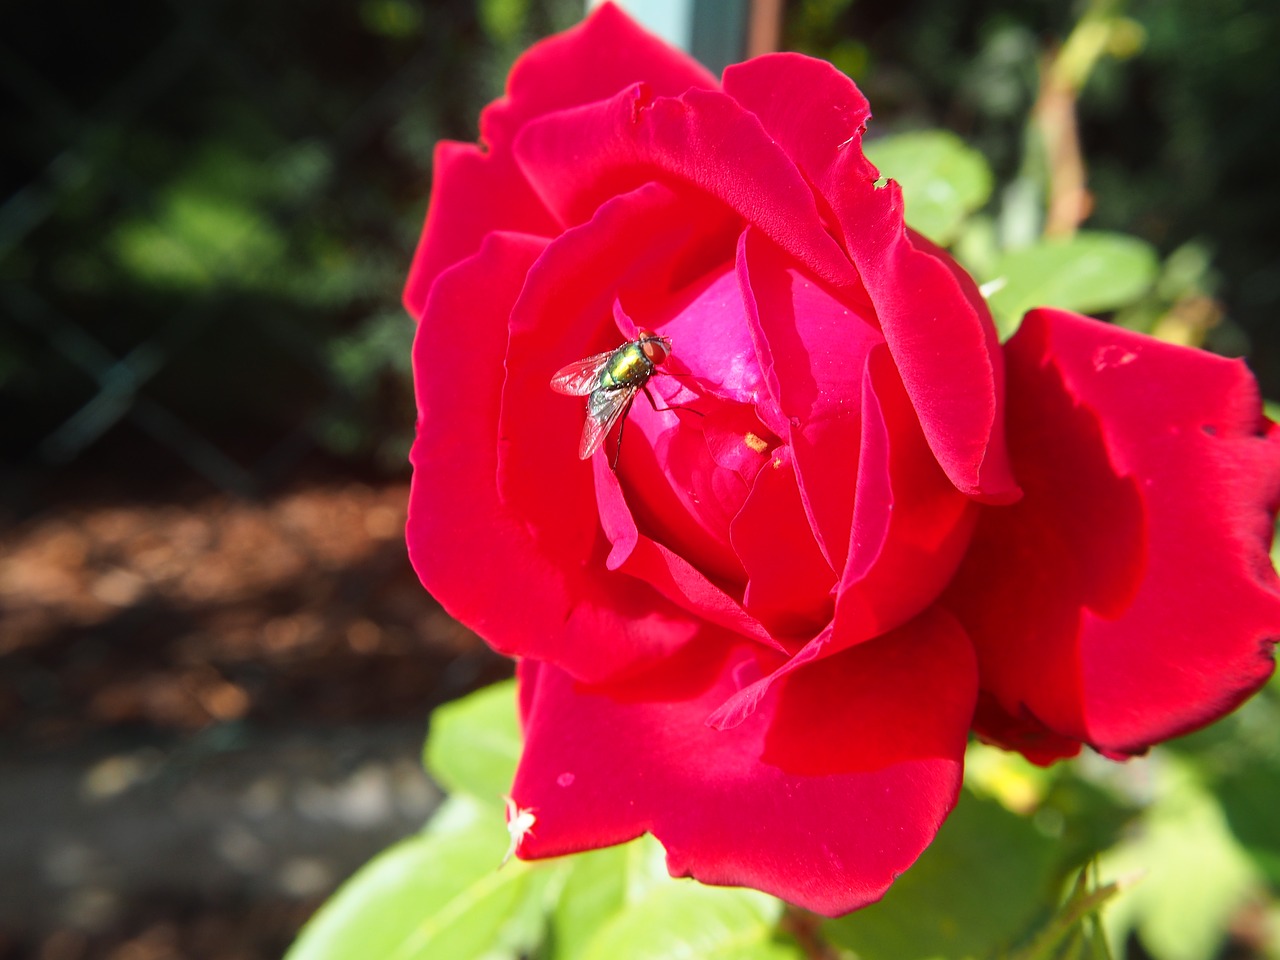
x,y
1023,732
910,531
578,158
791,586
817,349
812,128
678,493
938,329
591,61
473,193
889,681
667,571
467,547
631,251
765,805
1129,597
711,342
681,486
477,189
737,440
910,525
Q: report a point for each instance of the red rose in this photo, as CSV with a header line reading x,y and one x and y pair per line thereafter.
x,y
765,636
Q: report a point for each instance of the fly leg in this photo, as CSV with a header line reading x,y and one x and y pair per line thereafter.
x,y
659,409
622,425
622,422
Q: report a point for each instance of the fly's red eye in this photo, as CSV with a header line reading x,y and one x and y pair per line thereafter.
x,y
655,350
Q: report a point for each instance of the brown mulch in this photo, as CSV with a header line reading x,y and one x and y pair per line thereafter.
x,y
161,620
178,616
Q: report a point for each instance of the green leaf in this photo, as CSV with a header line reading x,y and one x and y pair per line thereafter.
x,y
599,886
1085,818
943,180
474,743
975,891
1089,273
1249,802
681,919
439,894
199,240
621,903
1075,925
1187,875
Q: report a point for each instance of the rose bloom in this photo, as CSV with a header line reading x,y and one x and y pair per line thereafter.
x,y
865,529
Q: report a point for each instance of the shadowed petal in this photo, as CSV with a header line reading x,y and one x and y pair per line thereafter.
x,y
467,547
473,193
832,790
1130,596
935,322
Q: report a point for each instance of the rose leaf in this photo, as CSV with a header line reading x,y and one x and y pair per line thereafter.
x,y
943,180
599,886
1191,874
1089,273
682,918
439,894
975,892
1249,800
474,743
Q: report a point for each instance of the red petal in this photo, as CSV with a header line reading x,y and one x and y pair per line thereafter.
x,y
678,493
667,571
816,349
910,525
473,193
711,338
791,586
910,531
812,128
1129,597
467,547
564,313
832,791
579,158
938,328
677,489
479,189
591,61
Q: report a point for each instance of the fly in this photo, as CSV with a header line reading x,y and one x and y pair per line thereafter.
x,y
610,382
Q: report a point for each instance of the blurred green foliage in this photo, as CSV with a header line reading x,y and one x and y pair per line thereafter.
x,y
230,192
442,893
214,211
1179,123
1168,857
212,205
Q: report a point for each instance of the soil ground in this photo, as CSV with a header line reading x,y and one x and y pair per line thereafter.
x,y
211,711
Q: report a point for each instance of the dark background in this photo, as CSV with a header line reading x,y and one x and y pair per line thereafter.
x,y
215,664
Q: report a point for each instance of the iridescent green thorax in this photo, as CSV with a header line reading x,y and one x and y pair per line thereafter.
x,y
627,367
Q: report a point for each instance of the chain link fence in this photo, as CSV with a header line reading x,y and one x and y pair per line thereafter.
x,y
207,208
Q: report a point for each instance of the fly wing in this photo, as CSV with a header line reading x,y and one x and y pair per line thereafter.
x,y
602,414
580,377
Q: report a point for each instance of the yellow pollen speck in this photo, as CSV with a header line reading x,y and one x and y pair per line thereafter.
x,y
755,443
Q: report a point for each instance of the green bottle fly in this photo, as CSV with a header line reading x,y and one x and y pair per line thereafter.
x,y
610,382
